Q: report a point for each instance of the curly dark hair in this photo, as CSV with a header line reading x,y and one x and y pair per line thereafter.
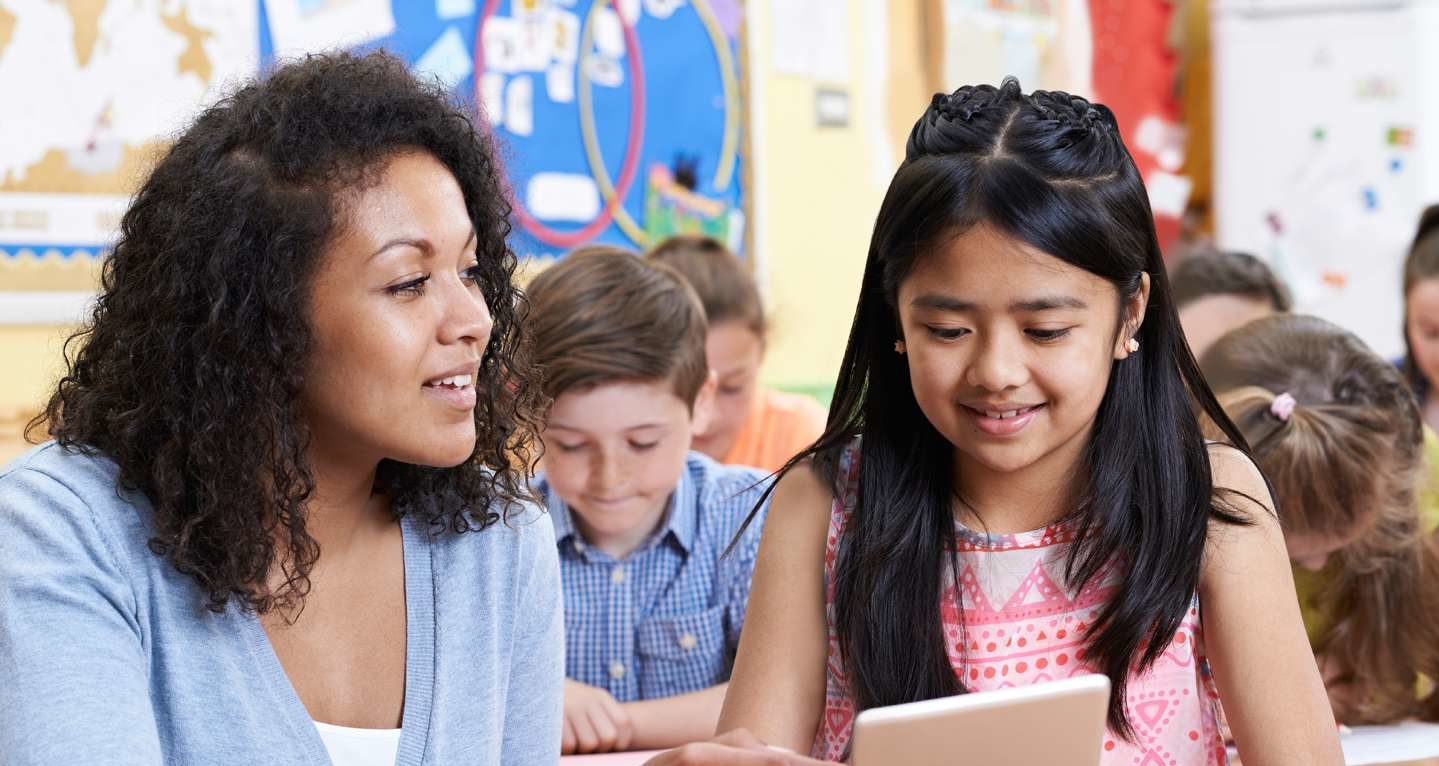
x,y
186,372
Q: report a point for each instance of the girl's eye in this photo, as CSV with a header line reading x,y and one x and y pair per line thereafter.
x,y
730,390
568,447
947,333
412,287
1048,336
472,275
643,446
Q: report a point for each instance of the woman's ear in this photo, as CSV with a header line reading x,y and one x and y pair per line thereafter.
x,y
1134,309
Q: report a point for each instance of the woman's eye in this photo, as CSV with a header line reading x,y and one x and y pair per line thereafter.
x,y
473,274
412,287
643,446
730,390
947,333
1045,336
562,447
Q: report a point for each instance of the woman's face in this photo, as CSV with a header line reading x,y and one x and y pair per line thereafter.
x,y
399,323
1421,309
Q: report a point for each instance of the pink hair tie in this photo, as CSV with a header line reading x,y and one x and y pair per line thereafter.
x,y
1283,407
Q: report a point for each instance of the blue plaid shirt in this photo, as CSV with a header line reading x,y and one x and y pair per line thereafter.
x,y
665,619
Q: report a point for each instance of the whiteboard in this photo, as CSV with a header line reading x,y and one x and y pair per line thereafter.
x,y
1322,159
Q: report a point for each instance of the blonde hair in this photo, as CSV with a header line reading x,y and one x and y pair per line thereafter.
x,y
1345,461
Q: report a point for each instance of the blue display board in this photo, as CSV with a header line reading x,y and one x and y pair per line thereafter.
x,y
618,121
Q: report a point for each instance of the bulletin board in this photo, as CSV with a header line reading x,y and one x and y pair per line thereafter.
x,y
619,121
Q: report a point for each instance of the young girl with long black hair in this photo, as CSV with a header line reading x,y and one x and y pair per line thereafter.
x,y
1013,485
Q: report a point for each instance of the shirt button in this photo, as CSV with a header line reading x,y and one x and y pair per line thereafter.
x,y
688,642
617,670
617,575
579,547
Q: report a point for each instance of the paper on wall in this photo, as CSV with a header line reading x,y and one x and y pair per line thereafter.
x,y
454,9
566,33
560,83
520,106
811,39
535,42
501,42
609,34
604,71
662,9
447,59
1168,193
562,197
308,26
492,92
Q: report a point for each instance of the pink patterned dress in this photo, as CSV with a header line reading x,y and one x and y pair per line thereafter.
x,y
1020,627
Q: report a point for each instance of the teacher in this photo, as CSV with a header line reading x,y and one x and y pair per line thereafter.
x,y
283,518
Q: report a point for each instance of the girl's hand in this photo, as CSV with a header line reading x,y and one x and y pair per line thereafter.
x,y
594,721
736,748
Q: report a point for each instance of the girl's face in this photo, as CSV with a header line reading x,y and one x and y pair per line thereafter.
x,y
734,353
1009,349
399,323
1422,326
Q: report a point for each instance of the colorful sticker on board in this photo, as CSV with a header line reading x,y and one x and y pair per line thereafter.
x,y
1400,135
672,207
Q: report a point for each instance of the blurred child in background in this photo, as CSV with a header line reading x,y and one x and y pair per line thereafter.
x,y
752,425
652,609
1219,291
1335,429
1421,315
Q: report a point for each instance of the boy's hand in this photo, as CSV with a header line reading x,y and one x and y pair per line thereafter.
x,y
594,721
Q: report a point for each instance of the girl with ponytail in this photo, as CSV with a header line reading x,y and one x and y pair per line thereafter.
x,y
1336,430
1421,316
1013,486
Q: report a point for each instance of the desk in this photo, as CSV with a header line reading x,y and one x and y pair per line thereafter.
x,y
637,758
1415,744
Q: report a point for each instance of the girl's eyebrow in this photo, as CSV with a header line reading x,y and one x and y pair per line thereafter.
x,y
941,302
1049,303
1043,303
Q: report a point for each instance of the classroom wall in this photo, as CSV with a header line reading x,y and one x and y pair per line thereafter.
x,y
817,188
32,360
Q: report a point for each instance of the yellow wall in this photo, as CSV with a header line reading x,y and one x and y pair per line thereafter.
x,y
31,363
817,189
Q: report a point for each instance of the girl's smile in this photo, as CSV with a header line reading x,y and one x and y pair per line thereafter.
x,y
1002,419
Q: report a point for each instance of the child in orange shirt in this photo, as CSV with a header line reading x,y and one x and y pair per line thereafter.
x,y
752,425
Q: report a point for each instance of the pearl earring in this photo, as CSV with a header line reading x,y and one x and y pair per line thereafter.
x,y
1132,345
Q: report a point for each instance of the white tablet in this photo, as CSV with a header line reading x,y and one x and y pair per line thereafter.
x,y
1051,724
